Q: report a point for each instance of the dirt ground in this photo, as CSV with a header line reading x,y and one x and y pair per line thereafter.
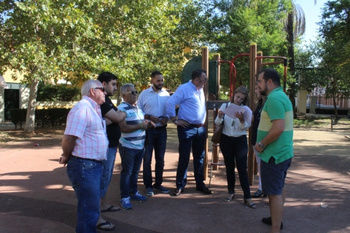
x,y
36,196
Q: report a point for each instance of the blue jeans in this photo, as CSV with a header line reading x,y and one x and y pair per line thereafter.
x,y
234,150
131,163
107,171
193,138
155,138
85,176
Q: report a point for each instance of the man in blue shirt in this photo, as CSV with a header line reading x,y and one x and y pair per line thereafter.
x,y
190,128
152,102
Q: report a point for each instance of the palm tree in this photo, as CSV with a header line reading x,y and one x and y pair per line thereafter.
x,y
295,27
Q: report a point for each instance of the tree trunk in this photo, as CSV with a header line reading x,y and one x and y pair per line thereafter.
x,y
335,107
30,117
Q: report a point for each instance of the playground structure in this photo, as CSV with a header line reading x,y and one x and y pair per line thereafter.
x,y
212,88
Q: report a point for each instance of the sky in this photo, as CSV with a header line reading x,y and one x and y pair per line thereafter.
x,y
312,16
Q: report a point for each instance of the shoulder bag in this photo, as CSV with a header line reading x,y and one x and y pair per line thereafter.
x,y
218,131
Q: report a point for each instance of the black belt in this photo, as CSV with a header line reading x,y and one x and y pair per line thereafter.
x,y
197,126
158,127
94,160
242,136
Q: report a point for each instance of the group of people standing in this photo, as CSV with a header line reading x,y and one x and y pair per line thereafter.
x,y
95,128
272,140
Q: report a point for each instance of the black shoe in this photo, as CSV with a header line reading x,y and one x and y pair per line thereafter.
x,y
268,221
204,190
178,191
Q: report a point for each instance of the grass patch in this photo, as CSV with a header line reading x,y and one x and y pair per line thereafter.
x,y
319,122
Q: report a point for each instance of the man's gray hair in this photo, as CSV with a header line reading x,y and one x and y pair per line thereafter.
x,y
85,89
125,87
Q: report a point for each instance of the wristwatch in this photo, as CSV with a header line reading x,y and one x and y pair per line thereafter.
x,y
261,145
175,122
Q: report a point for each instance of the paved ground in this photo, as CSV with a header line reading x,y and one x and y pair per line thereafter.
x,y
36,196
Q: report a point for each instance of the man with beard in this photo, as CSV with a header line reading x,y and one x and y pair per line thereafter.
x,y
152,102
274,144
113,117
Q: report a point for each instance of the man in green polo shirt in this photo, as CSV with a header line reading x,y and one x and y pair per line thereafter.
x,y
275,143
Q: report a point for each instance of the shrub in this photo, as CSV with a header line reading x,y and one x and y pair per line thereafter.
x,y
60,92
18,116
43,117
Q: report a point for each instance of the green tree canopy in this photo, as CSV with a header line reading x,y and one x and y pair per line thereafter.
x,y
46,39
334,49
231,26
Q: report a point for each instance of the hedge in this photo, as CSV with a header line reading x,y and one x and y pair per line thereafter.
x,y
43,117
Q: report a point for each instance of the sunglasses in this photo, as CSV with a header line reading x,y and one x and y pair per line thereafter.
x,y
100,88
132,92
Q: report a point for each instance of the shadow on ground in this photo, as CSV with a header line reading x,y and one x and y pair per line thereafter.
x,y
36,196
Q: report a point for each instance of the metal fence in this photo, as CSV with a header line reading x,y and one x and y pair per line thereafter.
x,y
323,102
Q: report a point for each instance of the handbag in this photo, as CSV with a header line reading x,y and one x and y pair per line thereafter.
x,y
218,131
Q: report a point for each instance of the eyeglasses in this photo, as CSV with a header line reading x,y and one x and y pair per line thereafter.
x,y
100,88
132,92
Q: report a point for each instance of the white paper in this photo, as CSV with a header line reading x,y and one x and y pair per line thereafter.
x,y
232,109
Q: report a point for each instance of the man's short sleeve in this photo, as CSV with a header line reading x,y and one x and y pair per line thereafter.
x,y
275,109
76,122
107,106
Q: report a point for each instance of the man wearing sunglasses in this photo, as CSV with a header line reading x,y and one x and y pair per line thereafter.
x,y
152,102
113,117
84,146
131,147
190,129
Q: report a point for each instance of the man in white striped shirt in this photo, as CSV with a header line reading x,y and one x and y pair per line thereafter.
x,y
131,145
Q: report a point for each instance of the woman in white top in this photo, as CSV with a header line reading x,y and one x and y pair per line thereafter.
x,y
233,143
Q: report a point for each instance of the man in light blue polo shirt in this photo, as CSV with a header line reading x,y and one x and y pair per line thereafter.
x,y
190,128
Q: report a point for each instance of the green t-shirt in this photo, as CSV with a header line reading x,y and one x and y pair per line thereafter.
x,y
277,107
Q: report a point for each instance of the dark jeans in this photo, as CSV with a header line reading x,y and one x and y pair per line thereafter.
x,y
107,172
155,139
85,176
234,150
191,137
131,163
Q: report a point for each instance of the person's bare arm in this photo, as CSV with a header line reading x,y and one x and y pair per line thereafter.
x,y
115,116
68,143
274,133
